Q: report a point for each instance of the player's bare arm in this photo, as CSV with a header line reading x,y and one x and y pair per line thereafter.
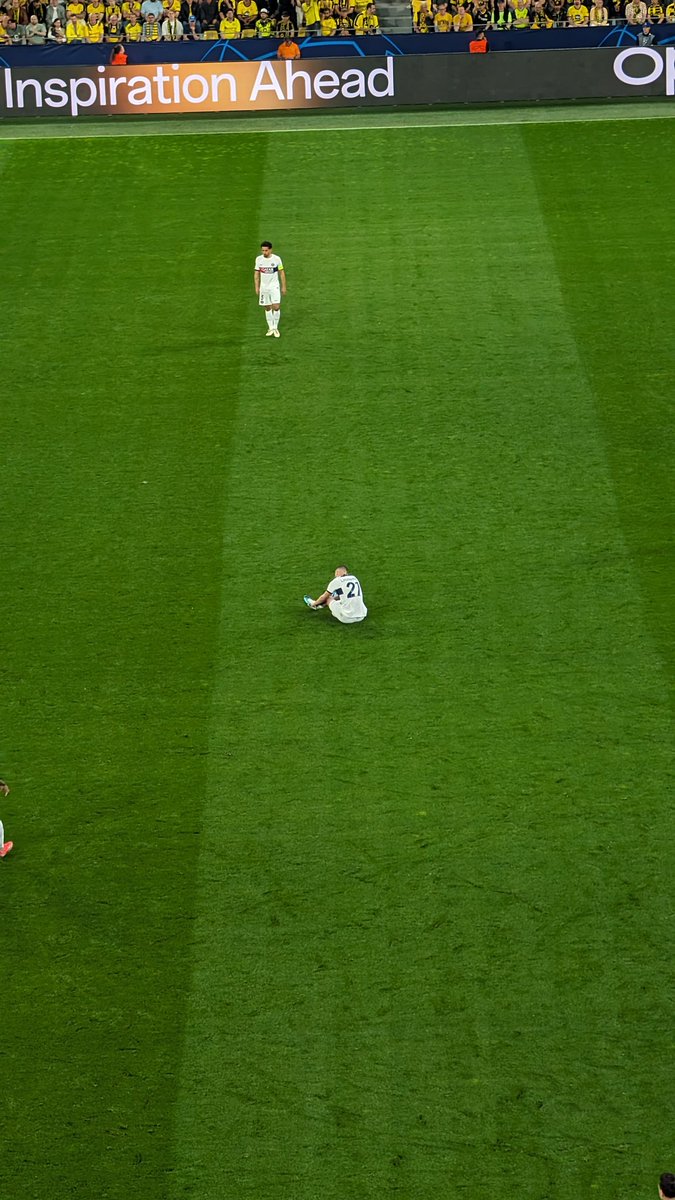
x,y
323,599
282,277
256,282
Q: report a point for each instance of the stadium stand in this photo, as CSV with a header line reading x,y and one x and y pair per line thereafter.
x,y
34,22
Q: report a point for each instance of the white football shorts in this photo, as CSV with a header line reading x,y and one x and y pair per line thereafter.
x,y
270,295
347,617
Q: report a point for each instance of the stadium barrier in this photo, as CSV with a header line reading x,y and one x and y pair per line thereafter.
x,y
348,83
377,46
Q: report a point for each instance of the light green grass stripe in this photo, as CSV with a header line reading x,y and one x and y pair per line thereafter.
x,y
355,122
277,1100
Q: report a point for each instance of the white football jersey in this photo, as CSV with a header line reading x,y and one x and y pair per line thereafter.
x,y
269,269
346,601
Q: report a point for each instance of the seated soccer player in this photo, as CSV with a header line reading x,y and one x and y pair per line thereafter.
x,y
343,597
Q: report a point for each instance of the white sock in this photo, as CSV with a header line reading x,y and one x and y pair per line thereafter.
x,y
276,313
2,834
269,313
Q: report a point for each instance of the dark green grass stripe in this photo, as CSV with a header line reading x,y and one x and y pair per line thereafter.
x,y
619,298
118,403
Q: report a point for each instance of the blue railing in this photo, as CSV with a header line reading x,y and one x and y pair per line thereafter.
x,y
256,49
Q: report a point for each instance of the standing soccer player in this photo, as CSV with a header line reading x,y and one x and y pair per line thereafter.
x,y
269,278
5,847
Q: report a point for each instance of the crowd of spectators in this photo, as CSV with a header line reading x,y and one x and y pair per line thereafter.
x,y
36,22
455,16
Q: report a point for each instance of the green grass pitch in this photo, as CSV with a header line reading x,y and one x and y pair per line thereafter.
x,y
299,911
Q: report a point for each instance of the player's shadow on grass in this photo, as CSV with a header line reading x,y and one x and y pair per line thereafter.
x,y
366,630
189,346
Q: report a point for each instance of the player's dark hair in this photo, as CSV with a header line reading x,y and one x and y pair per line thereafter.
x,y
342,567
263,244
667,1184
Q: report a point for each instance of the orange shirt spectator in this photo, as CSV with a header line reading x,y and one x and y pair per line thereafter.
x,y
118,57
288,49
479,44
